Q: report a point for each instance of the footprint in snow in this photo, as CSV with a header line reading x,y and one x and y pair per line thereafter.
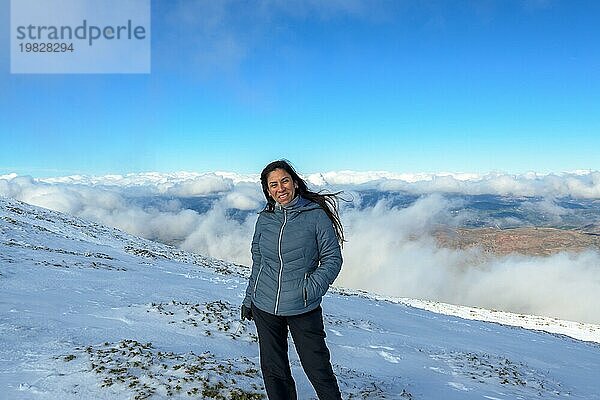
x,y
458,386
382,347
389,357
386,355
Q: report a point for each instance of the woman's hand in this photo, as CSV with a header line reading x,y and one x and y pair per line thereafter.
x,y
246,313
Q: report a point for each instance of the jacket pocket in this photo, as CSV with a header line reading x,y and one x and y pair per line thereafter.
x,y
304,289
256,283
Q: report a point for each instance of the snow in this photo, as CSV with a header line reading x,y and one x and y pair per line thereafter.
x,y
577,330
90,312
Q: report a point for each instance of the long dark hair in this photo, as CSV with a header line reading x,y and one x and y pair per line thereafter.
x,y
327,201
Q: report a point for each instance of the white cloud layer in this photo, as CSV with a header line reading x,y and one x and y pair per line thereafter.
x,y
389,250
578,184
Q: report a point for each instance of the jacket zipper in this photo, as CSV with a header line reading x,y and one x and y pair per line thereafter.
x,y
280,260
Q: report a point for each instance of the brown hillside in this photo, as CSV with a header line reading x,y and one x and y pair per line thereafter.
x,y
528,241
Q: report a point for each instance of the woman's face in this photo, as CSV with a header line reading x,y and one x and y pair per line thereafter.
x,y
281,186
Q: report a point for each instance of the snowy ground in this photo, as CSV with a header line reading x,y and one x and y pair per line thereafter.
x,y
89,312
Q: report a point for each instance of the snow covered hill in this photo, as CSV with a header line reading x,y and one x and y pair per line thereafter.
x,y
89,312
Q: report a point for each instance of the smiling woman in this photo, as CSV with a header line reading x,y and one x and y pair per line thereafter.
x,y
295,258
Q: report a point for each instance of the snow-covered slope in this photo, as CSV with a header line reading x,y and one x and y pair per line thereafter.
x,y
91,312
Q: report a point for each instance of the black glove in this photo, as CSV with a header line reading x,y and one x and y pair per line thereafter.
x,y
246,313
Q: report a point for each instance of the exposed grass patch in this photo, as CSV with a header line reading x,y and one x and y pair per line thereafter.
x,y
144,371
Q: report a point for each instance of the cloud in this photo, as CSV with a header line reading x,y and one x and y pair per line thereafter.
x,y
108,200
391,251
548,210
578,184
198,186
219,36
245,197
563,285
390,248
218,235
8,176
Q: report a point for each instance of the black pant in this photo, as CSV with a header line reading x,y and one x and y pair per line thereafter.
x,y
309,338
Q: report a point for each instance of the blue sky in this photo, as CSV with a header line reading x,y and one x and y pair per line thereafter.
x,y
403,86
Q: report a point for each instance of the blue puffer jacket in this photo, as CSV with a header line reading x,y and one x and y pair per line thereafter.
x,y
295,258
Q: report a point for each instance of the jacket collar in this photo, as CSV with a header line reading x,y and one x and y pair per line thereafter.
x,y
298,204
291,204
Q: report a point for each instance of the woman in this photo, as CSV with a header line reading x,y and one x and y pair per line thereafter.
x,y
295,258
